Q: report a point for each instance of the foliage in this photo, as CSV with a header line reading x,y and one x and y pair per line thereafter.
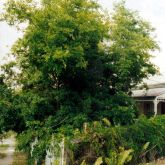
x,y
100,144
9,112
131,39
146,138
120,159
134,144
73,60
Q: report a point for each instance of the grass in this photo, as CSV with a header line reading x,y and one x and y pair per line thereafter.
x,y
20,158
4,145
3,148
2,155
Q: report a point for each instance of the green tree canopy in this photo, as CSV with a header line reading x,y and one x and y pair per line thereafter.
x,y
77,63
10,114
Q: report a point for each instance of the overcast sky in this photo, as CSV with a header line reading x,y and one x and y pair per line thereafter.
x,y
151,10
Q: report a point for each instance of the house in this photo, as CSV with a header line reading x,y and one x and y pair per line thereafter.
x,y
152,100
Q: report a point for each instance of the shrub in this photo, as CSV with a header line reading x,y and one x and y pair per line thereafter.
x,y
145,138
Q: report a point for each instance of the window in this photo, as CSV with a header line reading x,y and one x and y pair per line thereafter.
x,y
148,111
162,108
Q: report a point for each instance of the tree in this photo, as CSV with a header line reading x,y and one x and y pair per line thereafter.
x,y
132,45
11,118
74,60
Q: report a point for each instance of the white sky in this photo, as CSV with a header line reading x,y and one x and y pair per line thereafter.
x,y
151,10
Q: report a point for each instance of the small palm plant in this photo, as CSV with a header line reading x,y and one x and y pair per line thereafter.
x,y
121,158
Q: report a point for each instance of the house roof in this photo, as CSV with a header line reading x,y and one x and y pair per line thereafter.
x,y
148,93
